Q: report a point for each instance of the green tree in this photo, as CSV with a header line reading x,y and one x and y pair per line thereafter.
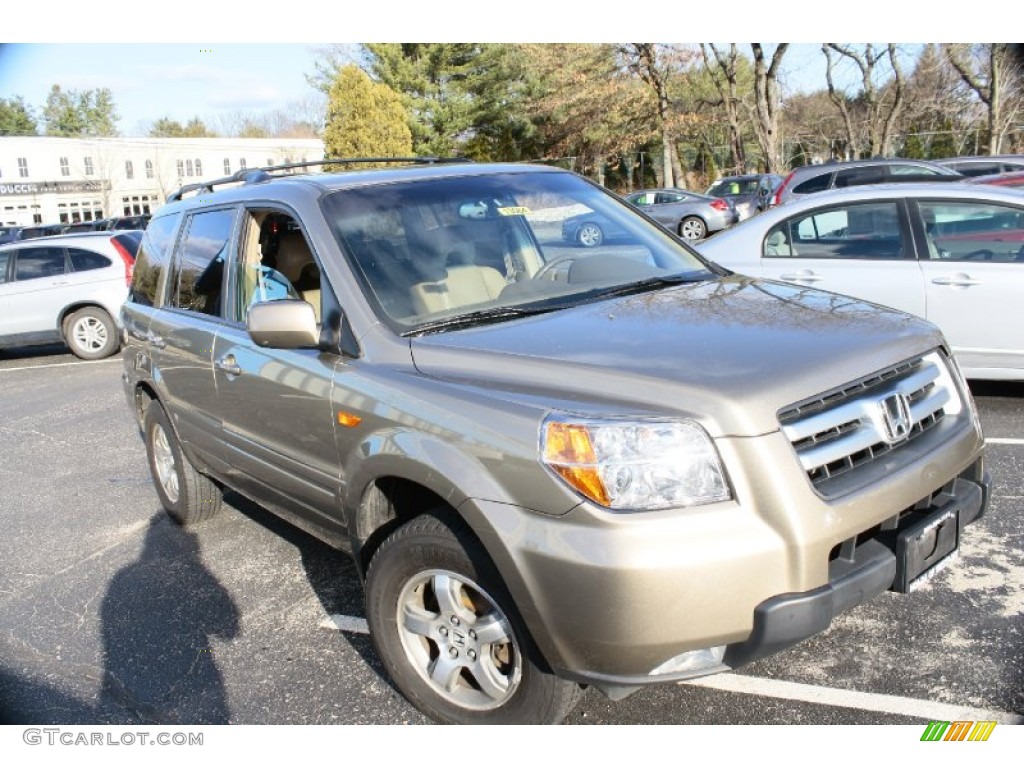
x,y
434,82
364,118
80,113
167,128
16,118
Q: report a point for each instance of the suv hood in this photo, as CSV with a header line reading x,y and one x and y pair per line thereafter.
x,y
730,353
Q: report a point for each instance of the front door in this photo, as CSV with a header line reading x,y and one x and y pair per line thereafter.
x,y
276,403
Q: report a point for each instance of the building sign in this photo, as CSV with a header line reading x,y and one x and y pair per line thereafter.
x,y
51,187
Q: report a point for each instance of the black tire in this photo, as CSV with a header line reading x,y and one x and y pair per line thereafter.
x,y
693,228
188,496
498,682
590,235
91,334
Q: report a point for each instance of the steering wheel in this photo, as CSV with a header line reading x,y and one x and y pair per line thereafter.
x,y
542,273
984,254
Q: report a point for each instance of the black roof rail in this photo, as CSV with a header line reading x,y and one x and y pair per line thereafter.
x,y
257,175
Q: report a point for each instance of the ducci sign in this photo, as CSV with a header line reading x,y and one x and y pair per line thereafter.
x,y
44,187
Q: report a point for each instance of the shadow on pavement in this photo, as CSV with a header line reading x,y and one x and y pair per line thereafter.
x,y
158,617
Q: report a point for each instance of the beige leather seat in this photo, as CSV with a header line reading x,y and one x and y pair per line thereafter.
x,y
464,285
776,244
295,261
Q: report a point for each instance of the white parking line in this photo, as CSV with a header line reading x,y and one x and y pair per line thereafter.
x,y
783,689
60,365
1004,441
346,624
836,697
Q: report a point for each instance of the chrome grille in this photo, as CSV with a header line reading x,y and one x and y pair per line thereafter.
x,y
846,428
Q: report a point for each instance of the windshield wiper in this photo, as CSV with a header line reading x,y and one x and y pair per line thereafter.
x,y
653,283
480,317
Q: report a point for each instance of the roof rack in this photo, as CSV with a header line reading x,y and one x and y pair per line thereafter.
x,y
257,175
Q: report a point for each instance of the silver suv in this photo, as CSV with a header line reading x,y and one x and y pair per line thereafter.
x,y
67,288
613,466
855,173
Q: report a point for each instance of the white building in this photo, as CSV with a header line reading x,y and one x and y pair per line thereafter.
x,y
46,180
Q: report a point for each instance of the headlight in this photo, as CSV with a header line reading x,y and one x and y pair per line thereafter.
x,y
638,465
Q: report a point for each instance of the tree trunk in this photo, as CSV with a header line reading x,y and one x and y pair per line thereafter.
x,y
766,107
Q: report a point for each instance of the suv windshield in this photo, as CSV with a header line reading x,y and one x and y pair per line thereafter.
x,y
475,247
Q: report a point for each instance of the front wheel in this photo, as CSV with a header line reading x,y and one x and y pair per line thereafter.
x,y
91,334
692,228
447,632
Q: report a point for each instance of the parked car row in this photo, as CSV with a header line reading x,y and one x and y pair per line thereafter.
x,y
16,234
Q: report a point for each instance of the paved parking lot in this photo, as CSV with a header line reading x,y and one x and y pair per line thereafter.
x,y
111,614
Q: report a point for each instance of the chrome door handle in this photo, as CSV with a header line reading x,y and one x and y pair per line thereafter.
x,y
156,341
807,277
958,281
229,366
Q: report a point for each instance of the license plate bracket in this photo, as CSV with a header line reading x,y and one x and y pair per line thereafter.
x,y
925,548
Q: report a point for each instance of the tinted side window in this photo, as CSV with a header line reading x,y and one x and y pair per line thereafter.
x,y
82,260
4,258
914,170
151,260
198,274
855,177
33,263
817,184
979,169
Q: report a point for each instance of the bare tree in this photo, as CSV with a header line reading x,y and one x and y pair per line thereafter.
x,y
879,107
993,73
766,105
652,64
724,73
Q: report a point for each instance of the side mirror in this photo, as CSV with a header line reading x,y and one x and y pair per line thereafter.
x,y
285,324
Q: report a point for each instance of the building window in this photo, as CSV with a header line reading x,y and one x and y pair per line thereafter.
x,y
242,163
129,169
65,169
88,166
181,168
149,169
199,167
188,167
23,167
270,161
227,167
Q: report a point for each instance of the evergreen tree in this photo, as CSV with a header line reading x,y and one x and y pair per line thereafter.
x,y
365,119
167,128
80,113
16,118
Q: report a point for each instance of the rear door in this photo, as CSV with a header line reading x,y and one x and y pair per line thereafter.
x,y
859,249
974,278
182,333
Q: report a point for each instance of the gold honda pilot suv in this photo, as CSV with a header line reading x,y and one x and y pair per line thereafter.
x,y
554,466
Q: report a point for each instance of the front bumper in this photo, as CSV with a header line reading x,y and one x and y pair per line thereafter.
x,y
611,599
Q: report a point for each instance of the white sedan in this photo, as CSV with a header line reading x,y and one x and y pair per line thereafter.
x,y
949,252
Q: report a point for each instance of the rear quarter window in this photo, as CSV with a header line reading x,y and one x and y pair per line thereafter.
x,y
83,261
817,184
